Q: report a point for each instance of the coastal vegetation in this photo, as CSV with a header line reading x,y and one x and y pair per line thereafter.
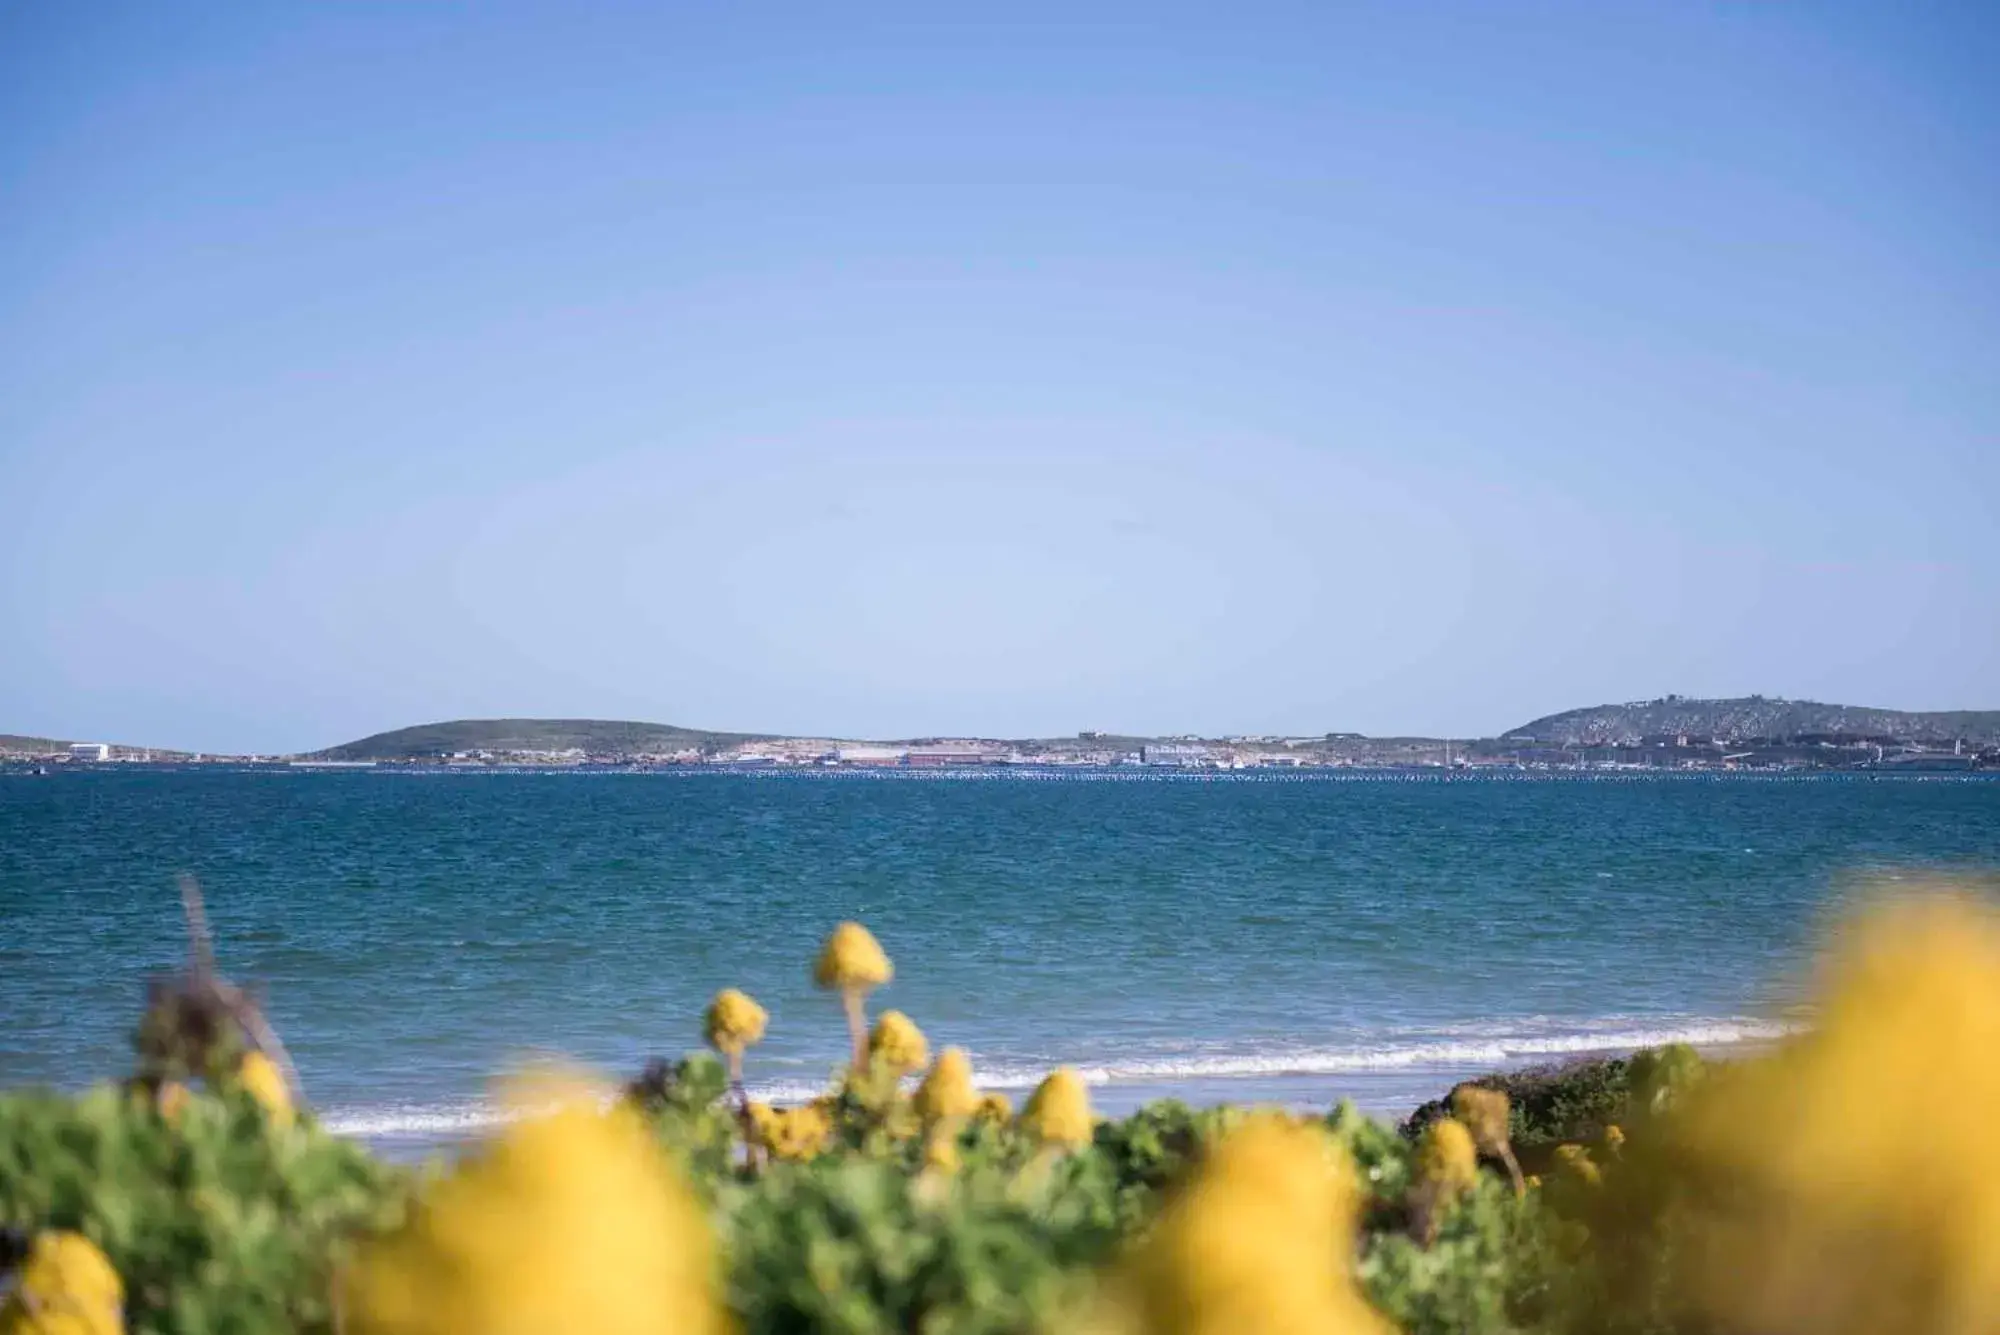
x,y
1847,1182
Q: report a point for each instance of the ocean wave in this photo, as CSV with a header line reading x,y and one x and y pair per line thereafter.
x,y
444,1121
1493,1051
1457,1050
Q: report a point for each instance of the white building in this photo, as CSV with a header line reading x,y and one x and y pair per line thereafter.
x,y
89,751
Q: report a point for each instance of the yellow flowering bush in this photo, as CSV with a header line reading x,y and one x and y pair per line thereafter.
x,y
1863,1159
1257,1241
794,1133
1058,1112
1446,1167
853,963
733,1022
946,1092
897,1043
1486,1114
260,1078
66,1286
569,1221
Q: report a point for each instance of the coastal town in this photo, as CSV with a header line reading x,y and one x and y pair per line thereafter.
x,y
1520,751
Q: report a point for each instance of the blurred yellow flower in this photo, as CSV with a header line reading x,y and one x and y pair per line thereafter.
x,y
941,1148
66,1286
1445,1167
946,1090
1614,1139
569,1221
796,1133
851,963
1257,1243
734,1022
1484,1112
852,959
1574,1162
1058,1112
172,1099
1446,1157
993,1106
260,1077
1863,1159
898,1043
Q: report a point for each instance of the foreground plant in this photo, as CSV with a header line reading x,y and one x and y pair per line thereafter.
x,y
1485,1113
1259,1240
570,1220
1057,1114
1446,1168
66,1286
1863,1159
897,1043
853,964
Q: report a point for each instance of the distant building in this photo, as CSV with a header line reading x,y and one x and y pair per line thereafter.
x,y
935,756
1174,753
869,755
89,751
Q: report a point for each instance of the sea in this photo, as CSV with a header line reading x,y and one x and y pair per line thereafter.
x,y
1293,939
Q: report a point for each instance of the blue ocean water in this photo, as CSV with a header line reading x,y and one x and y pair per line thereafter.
x,y
1294,940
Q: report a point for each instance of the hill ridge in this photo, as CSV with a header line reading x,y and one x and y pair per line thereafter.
x,y
1754,717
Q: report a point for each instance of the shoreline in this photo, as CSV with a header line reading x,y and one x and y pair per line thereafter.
x,y
1387,1095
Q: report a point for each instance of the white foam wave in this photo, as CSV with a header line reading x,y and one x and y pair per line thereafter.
x,y
1469,1049
443,1121
1401,1057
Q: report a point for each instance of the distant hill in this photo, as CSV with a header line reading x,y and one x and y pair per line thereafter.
x,y
30,745
599,736
1755,717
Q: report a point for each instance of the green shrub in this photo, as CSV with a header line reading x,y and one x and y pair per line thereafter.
x,y
216,1219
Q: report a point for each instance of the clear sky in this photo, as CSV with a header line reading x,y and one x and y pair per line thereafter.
x,y
884,370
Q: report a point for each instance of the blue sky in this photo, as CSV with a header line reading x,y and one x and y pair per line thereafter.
x,y
1256,368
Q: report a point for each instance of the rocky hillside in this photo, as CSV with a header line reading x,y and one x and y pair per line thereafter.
x,y
1756,717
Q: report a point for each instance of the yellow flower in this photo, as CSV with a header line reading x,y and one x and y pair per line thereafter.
x,y
172,1100
1257,1243
812,1128
734,1022
1445,1167
1614,1139
1446,1158
797,1133
851,962
1058,1112
763,1121
571,1220
946,1091
941,1148
898,1042
1862,1157
1574,1162
65,1287
993,1106
852,959
1484,1112
259,1075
